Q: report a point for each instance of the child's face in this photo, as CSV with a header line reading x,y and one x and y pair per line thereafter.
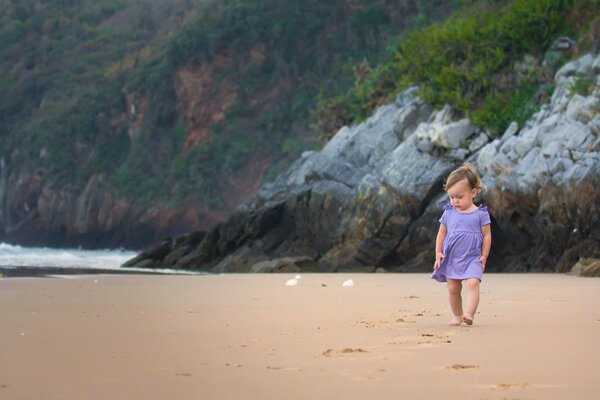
x,y
461,195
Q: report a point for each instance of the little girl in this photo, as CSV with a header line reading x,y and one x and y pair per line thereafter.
x,y
463,242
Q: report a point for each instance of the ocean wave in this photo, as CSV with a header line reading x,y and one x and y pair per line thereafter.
x,y
19,256
14,256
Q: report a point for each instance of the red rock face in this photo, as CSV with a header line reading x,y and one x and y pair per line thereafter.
x,y
203,104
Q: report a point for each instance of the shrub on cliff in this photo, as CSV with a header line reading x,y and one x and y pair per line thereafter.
x,y
462,61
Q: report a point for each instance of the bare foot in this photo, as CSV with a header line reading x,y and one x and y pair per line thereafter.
x,y
455,322
467,319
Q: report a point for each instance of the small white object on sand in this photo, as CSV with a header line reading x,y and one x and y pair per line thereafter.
x,y
291,282
297,277
348,283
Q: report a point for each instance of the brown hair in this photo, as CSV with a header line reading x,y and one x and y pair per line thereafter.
x,y
466,171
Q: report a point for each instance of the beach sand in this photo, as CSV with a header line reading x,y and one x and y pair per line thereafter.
x,y
250,336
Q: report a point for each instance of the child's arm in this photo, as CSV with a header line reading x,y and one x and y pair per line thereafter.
x,y
439,245
486,245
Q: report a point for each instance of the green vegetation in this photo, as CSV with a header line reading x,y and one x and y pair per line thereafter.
x,y
64,64
498,110
462,61
70,70
64,103
66,107
582,85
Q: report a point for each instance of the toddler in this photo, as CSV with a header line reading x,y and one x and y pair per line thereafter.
x,y
463,242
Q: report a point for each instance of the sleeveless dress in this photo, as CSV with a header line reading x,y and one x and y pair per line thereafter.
x,y
462,244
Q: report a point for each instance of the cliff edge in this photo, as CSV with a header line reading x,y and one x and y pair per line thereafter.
x,y
371,197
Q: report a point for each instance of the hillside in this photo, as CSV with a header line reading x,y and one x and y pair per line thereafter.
x,y
123,122
54,53
524,107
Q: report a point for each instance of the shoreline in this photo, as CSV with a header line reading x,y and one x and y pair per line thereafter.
x,y
49,272
250,336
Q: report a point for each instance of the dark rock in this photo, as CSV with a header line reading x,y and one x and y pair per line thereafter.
x,y
373,251
178,253
239,261
145,263
286,264
154,255
372,197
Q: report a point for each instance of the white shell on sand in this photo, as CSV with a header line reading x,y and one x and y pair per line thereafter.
x,y
291,282
348,283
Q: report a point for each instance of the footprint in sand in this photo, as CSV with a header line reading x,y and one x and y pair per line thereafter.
x,y
292,369
460,367
508,386
350,350
345,350
327,353
375,324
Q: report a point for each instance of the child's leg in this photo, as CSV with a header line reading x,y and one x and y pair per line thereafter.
x,y
454,289
472,299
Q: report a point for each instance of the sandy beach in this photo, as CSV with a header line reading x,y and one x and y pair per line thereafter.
x,y
250,336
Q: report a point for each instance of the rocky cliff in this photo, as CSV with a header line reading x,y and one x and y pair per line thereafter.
x,y
125,122
372,196
37,213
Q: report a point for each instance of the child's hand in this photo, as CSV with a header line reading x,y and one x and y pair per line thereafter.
x,y
438,260
483,261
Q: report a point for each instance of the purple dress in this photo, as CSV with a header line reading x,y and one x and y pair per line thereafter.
x,y
462,245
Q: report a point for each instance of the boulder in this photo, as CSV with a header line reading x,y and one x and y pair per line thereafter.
x,y
240,261
478,142
583,109
451,135
286,264
587,267
582,65
151,256
412,112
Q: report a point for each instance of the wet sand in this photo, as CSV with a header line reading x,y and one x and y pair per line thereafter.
x,y
250,336
48,272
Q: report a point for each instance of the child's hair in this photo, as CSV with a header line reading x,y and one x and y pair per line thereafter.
x,y
466,171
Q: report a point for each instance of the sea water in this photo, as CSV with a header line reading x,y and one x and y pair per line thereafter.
x,y
14,256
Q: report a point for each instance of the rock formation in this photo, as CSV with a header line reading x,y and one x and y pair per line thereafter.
x,y
36,213
372,196
586,267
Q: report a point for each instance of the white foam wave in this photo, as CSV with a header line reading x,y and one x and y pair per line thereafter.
x,y
19,256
